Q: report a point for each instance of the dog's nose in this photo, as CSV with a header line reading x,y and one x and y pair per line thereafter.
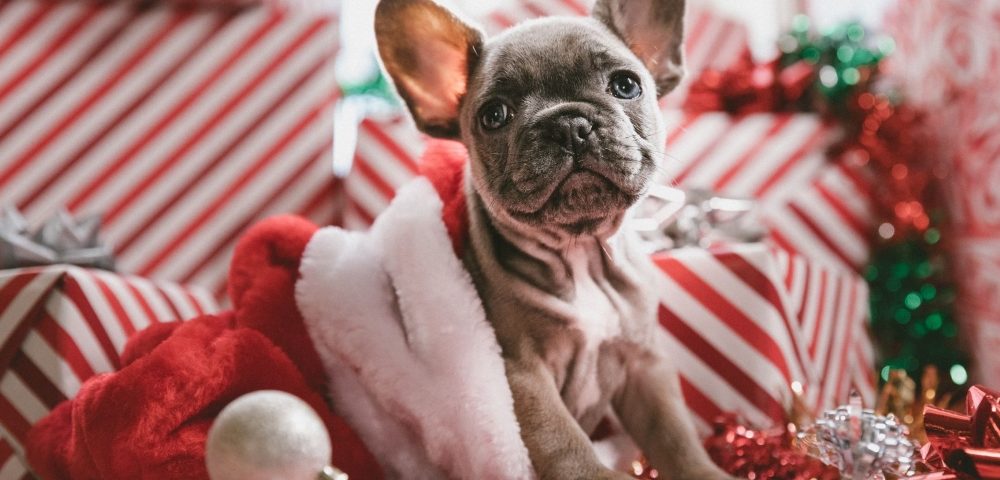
x,y
571,133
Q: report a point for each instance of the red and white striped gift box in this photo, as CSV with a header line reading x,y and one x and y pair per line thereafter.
x,y
746,321
183,125
11,466
386,158
61,325
812,206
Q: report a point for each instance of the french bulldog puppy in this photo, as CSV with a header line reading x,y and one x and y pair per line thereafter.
x,y
561,121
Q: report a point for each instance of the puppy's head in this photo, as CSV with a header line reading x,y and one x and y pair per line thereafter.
x,y
559,115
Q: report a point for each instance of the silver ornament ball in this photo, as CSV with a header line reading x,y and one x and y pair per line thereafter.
x,y
267,435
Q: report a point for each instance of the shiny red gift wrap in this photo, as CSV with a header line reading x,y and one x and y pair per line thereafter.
x,y
964,446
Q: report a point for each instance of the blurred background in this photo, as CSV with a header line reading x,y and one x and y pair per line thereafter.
x,y
146,136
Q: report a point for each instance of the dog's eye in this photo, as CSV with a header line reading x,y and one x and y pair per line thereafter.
x,y
625,85
495,115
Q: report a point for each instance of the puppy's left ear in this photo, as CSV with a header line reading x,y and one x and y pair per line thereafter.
x,y
654,30
429,53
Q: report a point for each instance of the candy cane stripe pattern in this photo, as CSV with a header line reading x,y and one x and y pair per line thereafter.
x,y
181,125
11,467
747,321
812,204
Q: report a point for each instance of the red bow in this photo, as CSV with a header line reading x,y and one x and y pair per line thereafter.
x,y
964,446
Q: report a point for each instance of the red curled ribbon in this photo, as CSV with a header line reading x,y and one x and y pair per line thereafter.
x,y
964,446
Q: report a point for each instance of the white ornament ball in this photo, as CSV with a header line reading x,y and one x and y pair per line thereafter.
x,y
267,435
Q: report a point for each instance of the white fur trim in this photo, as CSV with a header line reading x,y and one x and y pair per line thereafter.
x,y
414,365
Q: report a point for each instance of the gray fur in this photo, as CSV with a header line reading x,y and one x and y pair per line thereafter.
x,y
568,294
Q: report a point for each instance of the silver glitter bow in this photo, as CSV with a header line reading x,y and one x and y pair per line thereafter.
x,y
861,444
60,239
672,217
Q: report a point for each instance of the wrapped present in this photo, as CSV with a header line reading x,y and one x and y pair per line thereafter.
x,y
387,150
814,207
749,322
60,325
386,159
946,64
182,124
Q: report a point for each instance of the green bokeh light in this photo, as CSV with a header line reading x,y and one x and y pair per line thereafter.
x,y
932,236
934,322
845,53
886,45
851,76
871,273
913,301
924,269
958,374
912,307
928,291
855,33
800,23
811,54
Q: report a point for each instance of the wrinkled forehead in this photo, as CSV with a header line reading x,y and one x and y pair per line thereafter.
x,y
550,56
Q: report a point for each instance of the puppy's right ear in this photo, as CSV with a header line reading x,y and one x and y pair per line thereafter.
x,y
429,53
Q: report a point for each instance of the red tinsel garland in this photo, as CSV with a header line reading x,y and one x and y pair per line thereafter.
x,y
763,455
757,454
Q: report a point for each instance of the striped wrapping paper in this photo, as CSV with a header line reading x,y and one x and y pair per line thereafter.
x,y
812,206
746,321
388,151
61,325
182,125
11,466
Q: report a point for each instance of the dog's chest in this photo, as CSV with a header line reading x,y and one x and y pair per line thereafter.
x,y
596,316
597,319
